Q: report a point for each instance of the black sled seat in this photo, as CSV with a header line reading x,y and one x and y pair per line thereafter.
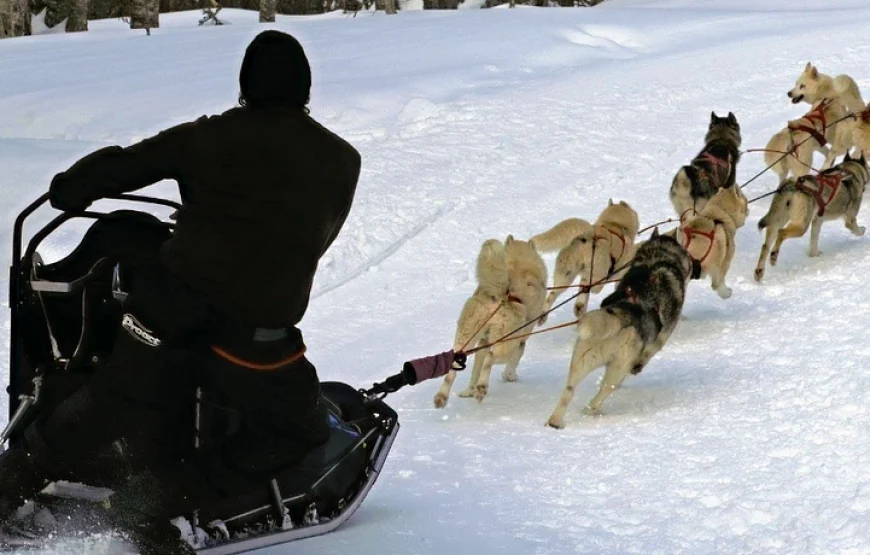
x,y
65,318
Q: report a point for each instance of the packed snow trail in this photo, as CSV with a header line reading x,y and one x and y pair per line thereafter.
x,y
746,434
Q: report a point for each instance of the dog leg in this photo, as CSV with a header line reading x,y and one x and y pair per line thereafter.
x,y
770,234
717,281
482,386
852,222
443,394
615,374
833,154
790,231
814,237
510,369
562,278
475,374
586,358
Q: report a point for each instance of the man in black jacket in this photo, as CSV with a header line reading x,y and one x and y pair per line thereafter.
x,y
265,191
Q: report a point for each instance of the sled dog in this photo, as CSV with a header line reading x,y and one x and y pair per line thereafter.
x,y
832,98
710,235
833,194
713,168
612,235
633,323
512,286
861,133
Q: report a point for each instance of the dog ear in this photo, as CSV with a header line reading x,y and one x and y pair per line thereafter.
x,y
532,244
814,73
655,232
809,67
509,240
847,158
713,117
731,117
610,202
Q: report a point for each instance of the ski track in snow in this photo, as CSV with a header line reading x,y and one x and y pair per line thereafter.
x,y
746,434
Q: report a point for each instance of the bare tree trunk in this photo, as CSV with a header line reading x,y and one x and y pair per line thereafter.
x,y
78,16
14,18
390,6
146,15
512,4
267,10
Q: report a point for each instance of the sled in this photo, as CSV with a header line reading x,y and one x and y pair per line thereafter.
x,y
64,320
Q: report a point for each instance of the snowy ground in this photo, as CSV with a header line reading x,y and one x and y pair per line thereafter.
x,y
747,434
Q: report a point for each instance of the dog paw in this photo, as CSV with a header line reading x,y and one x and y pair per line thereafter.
x,y
579,309
440,400
815,253
466,393
724,292
759,274
509,376
480,392
556,422
774,255
860,231
590,411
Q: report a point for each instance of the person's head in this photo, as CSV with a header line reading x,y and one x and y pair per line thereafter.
x,y
275,72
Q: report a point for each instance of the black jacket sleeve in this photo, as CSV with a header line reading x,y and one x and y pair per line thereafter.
x,y
353,168
114,170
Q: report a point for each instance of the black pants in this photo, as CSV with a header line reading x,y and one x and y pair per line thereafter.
x,y
145,390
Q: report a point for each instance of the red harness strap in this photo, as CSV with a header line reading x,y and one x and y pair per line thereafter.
x,y
815,115
831,180
716,162
691,232
622,240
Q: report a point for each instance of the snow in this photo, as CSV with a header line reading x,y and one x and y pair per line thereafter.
x,y
747,434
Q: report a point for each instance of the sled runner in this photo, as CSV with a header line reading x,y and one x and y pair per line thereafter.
x,y
64,320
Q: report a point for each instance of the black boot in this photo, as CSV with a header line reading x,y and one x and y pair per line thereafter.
x,y
142,508
20,480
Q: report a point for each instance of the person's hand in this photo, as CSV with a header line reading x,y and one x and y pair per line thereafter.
x,y
63,195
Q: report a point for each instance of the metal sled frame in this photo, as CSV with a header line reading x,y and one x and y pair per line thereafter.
x,y
19,404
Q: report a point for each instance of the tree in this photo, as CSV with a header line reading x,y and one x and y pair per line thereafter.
x,y
78,16
14,18
267,10
146,15
390,6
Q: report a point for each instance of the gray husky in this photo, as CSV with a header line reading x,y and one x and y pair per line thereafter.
x,y
633,323
713,168
813,199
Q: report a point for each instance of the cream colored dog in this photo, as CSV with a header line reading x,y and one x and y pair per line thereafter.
x,y
512,286
613,236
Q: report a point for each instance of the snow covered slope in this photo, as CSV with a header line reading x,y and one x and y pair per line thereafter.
x,y
748,434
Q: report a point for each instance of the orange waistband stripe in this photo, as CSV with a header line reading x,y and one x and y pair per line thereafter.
x,y
259,367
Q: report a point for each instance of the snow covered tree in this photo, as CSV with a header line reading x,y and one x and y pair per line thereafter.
x,y
14,18
146,15
267,10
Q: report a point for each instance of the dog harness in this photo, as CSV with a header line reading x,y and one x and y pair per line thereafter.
x,y
716,162
621,237
690,232
816,115
831,180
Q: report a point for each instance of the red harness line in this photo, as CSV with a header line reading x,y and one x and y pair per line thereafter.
x,y
817,114
831,180
622,240
690,232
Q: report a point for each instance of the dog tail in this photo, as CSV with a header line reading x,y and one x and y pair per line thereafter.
x,y
599,325
492,268
778,213
849,92
560,236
